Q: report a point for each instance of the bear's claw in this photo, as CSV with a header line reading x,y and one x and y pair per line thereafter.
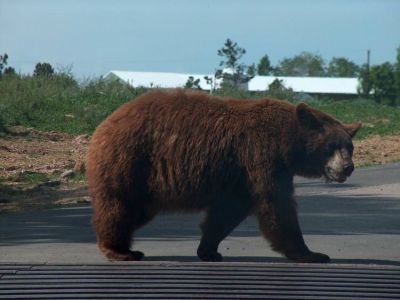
x,y
209,255
136,255
113,255
312,257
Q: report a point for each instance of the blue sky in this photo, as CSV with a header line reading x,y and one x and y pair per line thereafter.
x,y
95,36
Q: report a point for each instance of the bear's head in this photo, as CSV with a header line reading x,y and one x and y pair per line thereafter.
x,y
326,146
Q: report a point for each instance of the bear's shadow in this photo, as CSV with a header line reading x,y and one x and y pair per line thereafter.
x,y
319,215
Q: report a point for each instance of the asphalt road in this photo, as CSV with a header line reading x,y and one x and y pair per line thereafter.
x,y
354,222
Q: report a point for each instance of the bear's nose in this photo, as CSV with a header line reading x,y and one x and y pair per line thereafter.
x,y
348,169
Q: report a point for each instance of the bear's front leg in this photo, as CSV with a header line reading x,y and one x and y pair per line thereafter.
x,y
279,224
221,219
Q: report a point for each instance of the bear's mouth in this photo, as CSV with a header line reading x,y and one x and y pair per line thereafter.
x,y
332,175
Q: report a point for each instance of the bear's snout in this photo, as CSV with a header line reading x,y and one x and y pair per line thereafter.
x,y
339,166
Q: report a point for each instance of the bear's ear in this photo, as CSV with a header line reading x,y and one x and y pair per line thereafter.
x,y
352,128
306,117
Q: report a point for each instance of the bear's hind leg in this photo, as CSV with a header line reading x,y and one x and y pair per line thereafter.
x,y
220,220
115,225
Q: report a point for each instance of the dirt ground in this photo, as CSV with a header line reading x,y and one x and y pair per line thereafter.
x,y
42,169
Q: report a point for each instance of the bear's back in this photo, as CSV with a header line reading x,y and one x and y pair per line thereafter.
x,y
158,103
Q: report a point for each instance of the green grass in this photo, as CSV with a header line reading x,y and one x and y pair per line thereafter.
x,y
33,177
61,103
78,177
27,181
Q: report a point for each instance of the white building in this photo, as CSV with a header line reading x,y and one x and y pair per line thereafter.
x,y
156,79
308,85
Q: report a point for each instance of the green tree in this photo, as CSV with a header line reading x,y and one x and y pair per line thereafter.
x,y
192,83
342,67
278,90
251,71
211,82
364,81
9,71
233,72
43,69
264,66
304,64
383,83
276,85
3,62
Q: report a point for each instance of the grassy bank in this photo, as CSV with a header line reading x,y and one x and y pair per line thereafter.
x,y
377,119
60,103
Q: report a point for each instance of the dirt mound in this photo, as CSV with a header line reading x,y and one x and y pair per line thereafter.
x,y
377,150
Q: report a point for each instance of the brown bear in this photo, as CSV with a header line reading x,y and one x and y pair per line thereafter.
x,y
188,151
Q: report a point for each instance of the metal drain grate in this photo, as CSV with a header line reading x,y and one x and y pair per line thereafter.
x,y
154,280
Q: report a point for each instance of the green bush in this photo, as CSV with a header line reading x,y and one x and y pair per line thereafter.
x,y
2,126
59,102
99,98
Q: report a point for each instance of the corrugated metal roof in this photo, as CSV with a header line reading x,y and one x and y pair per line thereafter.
x,y
157,79
322,85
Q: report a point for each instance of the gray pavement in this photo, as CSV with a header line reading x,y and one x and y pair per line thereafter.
x,y
355,222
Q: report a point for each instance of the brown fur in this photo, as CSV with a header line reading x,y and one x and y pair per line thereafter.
x,y
188,151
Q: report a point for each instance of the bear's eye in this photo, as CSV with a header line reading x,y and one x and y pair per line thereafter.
x,y
350,148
